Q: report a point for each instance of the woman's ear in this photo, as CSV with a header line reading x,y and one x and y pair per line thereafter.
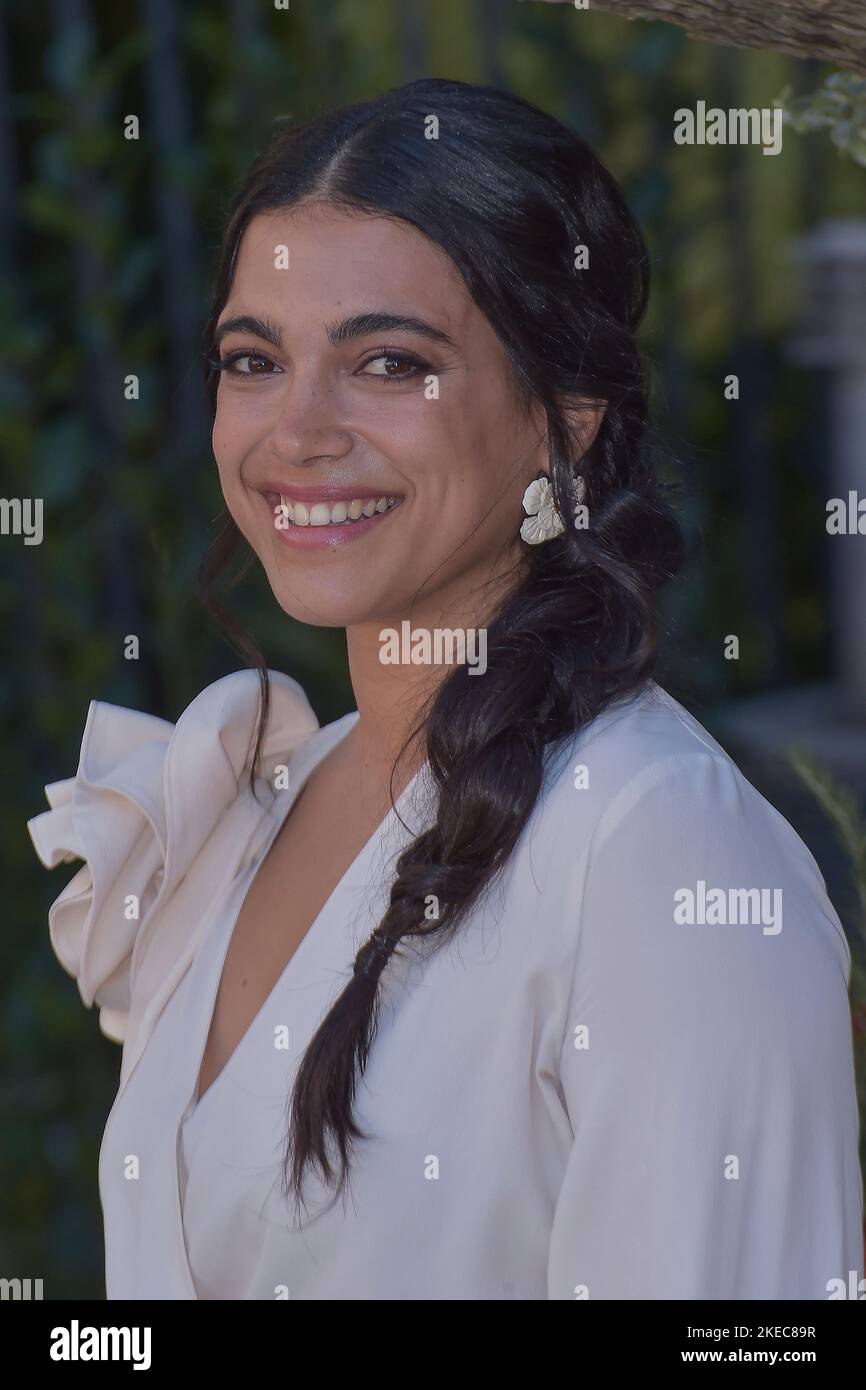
x,y
584,421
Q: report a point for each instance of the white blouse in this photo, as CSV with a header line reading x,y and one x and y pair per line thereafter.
x,y
629,1076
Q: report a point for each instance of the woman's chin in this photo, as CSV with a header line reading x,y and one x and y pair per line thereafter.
x,y
317,607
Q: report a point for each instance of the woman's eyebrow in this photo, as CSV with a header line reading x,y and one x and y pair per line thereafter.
x,y
358,326
249,323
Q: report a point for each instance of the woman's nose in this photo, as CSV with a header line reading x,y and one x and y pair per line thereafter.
x,y
308,422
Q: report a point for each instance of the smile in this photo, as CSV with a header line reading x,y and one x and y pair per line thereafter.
x,y
326,522
334,513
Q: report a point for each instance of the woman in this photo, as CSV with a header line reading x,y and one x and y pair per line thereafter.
x,y
507,984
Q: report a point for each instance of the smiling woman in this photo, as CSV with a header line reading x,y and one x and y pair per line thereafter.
x,y
435,951
382,380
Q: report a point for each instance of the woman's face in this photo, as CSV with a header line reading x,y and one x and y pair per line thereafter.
x,y
328,411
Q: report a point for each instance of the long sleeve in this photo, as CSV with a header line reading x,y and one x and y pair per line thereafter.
x,y
707,1064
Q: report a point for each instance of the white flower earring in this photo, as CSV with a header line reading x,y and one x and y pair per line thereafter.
x,y
544,520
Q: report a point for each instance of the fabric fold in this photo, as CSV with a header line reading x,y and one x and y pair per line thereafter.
x,y
148,795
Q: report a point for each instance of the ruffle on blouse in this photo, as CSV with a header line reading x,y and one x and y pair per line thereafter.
x,y
147,796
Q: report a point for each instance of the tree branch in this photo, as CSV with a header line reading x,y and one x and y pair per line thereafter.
x,y
830,29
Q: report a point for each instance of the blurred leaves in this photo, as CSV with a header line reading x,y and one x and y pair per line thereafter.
x,y
838,106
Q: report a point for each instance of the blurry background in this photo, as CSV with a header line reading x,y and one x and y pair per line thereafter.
x,y
108,245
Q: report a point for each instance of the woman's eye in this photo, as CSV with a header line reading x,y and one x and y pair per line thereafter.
x,y
393,366
231,364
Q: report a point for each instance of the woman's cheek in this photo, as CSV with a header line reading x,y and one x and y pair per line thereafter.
x,y
222,440
237,503
227,453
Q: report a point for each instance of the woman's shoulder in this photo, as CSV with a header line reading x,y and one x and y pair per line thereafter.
x,y
147,802
643,742
636,741
641,729
645,791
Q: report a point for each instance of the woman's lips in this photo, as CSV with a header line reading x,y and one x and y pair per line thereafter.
x,y
333,535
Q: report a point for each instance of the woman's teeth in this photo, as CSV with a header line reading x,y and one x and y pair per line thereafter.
x,y
333,514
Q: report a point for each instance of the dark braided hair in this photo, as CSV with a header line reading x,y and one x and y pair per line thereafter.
x,y
509,193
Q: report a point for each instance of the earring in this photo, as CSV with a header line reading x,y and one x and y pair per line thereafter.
x,y
544,521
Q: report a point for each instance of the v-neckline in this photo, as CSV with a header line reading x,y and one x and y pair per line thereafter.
x,y
320,747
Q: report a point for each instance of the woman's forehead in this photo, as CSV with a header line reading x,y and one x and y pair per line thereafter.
x,y
334,264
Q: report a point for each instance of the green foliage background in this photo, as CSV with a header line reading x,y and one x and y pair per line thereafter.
x,y
107,247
